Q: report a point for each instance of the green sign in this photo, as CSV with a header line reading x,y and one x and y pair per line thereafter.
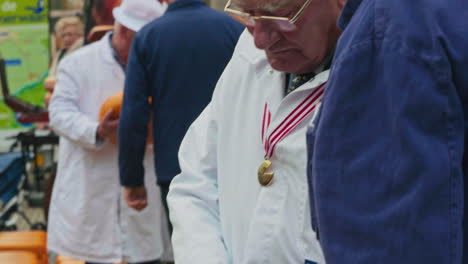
x,y
24,44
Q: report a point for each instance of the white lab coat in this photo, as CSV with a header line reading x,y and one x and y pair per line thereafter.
x,y
220,212
89,219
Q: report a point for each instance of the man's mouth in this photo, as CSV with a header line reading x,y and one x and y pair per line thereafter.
x,y
279,51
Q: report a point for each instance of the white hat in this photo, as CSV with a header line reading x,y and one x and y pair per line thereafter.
x,y
134,14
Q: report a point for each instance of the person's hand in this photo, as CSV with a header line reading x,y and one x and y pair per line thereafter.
x,y
136,197
49,84
108,125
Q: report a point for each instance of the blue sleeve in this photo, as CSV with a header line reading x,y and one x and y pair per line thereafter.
x,y
386,170
238,29
135,114
386,158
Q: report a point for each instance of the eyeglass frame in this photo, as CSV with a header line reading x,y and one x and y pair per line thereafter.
x,y
292,20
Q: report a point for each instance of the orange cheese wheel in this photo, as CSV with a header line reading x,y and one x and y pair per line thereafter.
x,y
114,103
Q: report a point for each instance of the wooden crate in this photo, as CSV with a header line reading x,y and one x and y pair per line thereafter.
x,y
18,257
26,241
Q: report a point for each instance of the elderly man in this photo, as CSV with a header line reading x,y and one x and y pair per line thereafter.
x,y
388,162
88,218
242,194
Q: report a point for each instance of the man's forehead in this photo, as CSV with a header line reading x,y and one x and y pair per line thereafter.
x,y
264,5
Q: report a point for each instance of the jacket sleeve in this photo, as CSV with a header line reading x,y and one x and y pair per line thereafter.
x,y
387,175
65,114
134,117
193,196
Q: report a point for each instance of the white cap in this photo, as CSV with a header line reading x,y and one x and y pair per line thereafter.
x,y
134,14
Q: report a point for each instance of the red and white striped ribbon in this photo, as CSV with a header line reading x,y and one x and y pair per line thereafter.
x,y
293,119
265,123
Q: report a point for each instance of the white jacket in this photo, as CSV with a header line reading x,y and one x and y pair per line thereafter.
x,y
89,219
220,212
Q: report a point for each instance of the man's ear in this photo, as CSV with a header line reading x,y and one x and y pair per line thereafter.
x,y
127,32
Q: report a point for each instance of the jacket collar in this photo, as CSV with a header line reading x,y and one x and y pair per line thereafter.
x,y
348,12
254,56
182,3
106,49
114,53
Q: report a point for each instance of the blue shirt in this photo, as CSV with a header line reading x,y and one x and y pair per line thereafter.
x,y
177,60
387,169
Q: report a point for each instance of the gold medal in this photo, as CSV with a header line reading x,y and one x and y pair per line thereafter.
x,y
265,177
295,117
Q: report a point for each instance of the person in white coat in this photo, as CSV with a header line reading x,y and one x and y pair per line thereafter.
x,y
242,194
89,219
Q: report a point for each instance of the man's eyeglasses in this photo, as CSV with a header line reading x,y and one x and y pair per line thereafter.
x,y
283,23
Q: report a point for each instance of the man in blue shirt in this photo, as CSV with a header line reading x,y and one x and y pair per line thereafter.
x,y
387,162
176,60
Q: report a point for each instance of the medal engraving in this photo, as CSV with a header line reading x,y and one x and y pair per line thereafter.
x,y
265,177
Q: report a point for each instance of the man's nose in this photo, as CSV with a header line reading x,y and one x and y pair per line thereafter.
x,y
264,34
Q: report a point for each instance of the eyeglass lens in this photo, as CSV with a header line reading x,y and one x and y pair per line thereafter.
x,y
284,26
